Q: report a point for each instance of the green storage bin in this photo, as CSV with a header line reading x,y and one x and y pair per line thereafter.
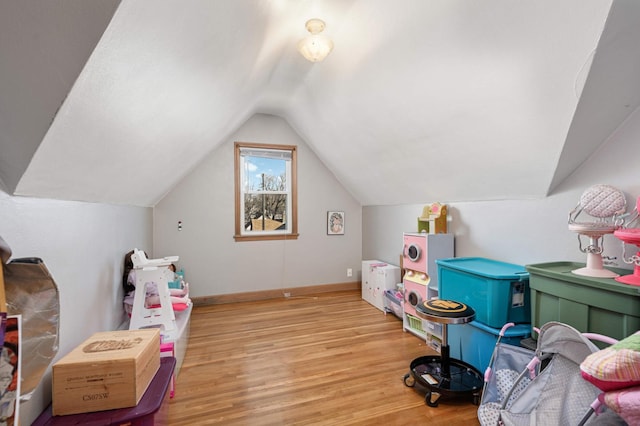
x,y
591,305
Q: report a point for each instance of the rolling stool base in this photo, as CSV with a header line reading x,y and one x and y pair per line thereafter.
x,y
464,380
442,375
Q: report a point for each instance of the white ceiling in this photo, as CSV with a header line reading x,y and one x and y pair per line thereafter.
x,y
449,100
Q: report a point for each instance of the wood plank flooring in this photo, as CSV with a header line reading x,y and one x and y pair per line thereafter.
x,y
329,359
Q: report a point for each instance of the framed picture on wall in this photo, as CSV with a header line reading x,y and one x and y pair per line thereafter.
x,y
335,223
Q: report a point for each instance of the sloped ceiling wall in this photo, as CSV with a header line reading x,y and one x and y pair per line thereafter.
x,y
612,91
43,48
443,100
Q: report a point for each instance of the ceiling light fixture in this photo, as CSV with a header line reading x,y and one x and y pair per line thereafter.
x,y
316,46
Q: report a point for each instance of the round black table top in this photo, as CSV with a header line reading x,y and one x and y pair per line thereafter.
x,y
445,311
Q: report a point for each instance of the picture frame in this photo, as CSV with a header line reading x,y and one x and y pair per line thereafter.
x,y
335,223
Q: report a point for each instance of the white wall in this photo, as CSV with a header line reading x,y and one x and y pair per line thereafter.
x,y
83,244
83,247
520,231
204,201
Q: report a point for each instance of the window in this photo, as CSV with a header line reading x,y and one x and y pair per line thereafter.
x,y
266,196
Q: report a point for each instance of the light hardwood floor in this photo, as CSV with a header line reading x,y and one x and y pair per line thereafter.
x,y
330,359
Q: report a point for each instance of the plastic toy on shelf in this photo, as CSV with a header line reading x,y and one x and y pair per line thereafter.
x,y
606,205
148,272
433,219
630,235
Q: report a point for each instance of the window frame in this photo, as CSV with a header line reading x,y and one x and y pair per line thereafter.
x,y
292,234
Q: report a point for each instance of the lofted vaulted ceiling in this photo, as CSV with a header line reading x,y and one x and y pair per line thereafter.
x,y
450,100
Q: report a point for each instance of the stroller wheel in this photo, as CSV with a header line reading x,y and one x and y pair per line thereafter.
x,y
409,381
431,399
476,399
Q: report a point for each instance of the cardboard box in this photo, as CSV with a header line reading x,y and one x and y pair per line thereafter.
x,y
109,370
152,410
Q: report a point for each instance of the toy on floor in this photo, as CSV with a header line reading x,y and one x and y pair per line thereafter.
x,y
545,388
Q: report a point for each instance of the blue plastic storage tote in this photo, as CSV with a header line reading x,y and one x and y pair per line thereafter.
x,y
474,342
497,291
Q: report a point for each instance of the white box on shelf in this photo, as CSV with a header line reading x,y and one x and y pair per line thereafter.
x,y
433,328
183,319
434,342
378,276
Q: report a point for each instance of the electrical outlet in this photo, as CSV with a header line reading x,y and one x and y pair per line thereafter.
x,y
349,272
287,294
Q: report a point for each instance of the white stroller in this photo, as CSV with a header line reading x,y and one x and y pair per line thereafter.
x,y
545,387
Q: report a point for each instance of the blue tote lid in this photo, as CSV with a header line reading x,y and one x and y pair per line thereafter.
x,y
486,267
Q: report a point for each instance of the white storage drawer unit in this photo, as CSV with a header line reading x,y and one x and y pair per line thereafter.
x,y
377,277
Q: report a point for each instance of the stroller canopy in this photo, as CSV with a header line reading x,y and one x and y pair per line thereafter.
x,y
557,395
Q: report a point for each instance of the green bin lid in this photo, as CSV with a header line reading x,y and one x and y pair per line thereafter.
x,y
562,271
